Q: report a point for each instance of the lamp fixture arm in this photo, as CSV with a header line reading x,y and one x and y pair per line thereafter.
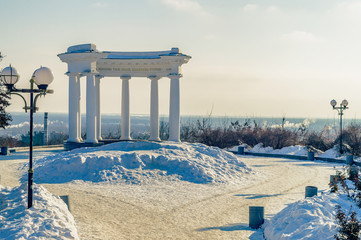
x,y
36,98
26,105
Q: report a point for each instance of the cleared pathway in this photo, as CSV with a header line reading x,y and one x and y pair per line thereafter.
x,y
182,210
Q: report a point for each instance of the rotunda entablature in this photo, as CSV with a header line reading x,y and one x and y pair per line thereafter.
x,y
86,58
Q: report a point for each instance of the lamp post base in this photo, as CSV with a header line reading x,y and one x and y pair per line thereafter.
x,y
30,187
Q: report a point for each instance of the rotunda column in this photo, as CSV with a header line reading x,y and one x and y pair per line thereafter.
x,y
98,114
174,108
91,135
154,109
78,105
125,124
74,110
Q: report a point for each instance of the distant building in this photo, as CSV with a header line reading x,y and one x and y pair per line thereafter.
x,y
38,138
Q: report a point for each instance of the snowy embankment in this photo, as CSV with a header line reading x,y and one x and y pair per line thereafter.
x,y
49,217
311,218
141,162
292,150
296,150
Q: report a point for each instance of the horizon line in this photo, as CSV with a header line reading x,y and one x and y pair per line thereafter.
x,y
202,116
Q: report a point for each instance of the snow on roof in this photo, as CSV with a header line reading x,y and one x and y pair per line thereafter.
x,y
144,55
82,48
87,48
115,56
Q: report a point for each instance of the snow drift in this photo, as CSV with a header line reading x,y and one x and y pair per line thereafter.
x,y
49,217
259,148
296,150
140,162
311,218
292,150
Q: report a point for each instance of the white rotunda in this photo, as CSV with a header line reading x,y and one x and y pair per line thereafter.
x,y
86,61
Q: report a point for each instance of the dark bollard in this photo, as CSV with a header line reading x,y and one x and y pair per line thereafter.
x,y
241,150
256,216
310,191
65,198
311,156
4,151
353,172
349,159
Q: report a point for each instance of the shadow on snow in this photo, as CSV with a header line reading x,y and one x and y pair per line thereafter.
x,y
256,196
256,235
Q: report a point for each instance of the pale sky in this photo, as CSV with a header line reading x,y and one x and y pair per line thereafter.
x,y
249,58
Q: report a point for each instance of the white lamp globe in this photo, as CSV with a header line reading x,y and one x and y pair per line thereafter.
x,y
43,77
9,76
344,103
333,102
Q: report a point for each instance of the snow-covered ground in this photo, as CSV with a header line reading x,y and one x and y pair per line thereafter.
x,y
49,217
171,208
148,165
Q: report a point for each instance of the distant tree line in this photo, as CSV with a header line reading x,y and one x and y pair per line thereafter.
x,y
234,133
252,133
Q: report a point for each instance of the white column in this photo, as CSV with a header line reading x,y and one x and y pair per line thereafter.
x,y
125,124
154,109
91,136
74,102
174,108
98,115
78,90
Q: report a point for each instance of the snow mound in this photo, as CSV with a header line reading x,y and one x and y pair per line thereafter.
x,y
332,153
49,217
291,150
311,218
142,162
260,149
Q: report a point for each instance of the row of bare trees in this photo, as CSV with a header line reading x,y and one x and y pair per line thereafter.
x,y
251,133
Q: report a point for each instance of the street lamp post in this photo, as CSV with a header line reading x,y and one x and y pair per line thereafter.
x,y
42,77
340,109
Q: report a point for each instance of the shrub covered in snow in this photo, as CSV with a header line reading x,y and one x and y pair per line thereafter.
x,y
136,162
311,218
332,215
350,226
